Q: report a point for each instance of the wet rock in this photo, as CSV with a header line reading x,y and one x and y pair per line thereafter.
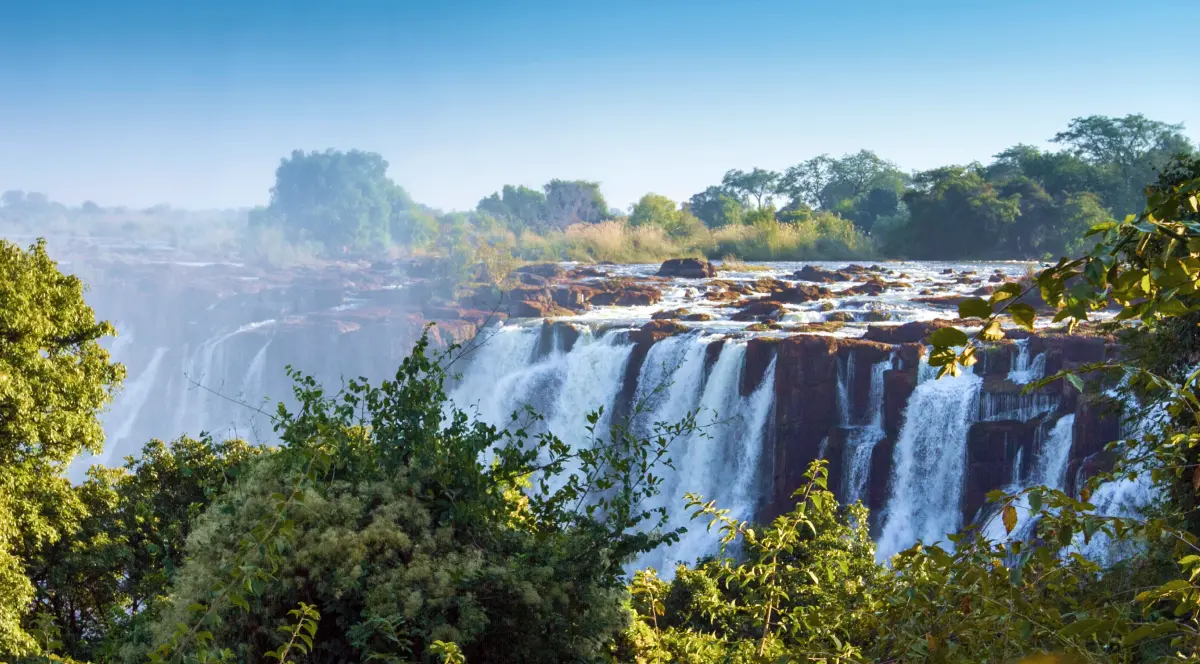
x,y
840,317
764,327
557,335
820,275
769,285
537,309
876,316
825,326
826,306
992,448
806,405
656,330
720,290
997,278
626,293
801,293
697,317
574,296
669,314
548,271
760,310
912,332
687,268
759,353
530,279
947,301
586,273
711,353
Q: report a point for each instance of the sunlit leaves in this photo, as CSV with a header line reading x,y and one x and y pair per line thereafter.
x,y
974,308
1009,515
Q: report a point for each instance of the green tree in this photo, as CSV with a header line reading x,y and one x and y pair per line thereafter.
x,y
54,379
383,512
653,210
1134,147
716,207
805,182
99,587
343,200
759,184
800,587
572,202
954,202
518,207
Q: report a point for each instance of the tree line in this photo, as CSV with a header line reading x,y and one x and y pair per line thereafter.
x,y
1026,203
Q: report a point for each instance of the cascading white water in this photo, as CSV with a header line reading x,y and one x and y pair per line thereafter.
x,y
930,461
670,381
720,461
129,405
758,412
862,439
501,361
1125,496
1049,470
845,375
193,413
1024,370
1017,406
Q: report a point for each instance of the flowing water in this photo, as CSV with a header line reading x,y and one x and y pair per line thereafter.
x,y
927,474
183,384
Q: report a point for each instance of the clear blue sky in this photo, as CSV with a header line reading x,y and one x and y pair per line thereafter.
x,y
194,103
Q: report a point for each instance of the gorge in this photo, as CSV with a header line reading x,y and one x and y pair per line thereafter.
x,y
784,362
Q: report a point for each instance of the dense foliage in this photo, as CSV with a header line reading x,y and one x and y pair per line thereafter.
x,y
54,378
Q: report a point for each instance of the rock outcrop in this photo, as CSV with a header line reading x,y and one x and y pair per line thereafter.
x,y
687,268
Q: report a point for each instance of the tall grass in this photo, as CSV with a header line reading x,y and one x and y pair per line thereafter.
x,y
826,237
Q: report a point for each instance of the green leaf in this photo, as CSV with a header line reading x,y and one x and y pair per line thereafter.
x,y
974,308
1005,292
948,336
1075,381
993,331
1009,517
1023,315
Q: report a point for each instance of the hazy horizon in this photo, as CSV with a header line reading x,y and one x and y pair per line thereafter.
x,y
131,104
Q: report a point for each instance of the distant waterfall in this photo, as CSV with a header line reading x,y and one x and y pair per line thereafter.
x,y
930,461
862,438
128,405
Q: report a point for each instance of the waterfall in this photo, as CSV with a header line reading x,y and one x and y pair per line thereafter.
x,y
930,461
670,381
1024,370
861,439
720,462
1124,496
590,377
129,404
191,415
845,375
500,363
758,413
1050,470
